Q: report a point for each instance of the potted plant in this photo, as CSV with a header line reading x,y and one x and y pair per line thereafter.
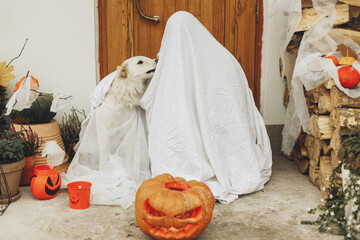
x,y
12,160
41,119
32,144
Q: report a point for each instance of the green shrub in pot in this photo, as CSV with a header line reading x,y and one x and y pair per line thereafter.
x,y
11,147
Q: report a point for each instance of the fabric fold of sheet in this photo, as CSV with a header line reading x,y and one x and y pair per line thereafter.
x,y
111,154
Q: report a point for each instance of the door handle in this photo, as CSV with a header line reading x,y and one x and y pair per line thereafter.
x,y
156,19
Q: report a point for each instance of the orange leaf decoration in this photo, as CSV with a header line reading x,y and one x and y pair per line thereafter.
x,y
5,74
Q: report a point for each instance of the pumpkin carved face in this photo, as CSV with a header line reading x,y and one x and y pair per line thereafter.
x,y
45,183
171,208
52,185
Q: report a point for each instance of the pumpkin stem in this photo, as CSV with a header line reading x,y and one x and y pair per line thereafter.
x,y
176,186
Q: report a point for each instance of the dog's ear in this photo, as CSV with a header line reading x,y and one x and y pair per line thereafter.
x,y
122,70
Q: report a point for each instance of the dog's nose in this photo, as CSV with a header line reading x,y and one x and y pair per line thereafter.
x,y
156,60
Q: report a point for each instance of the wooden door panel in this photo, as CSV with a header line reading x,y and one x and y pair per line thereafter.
x,y
124,33
148,35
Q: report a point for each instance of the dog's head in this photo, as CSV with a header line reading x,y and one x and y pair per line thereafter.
x,y
132,78
140,69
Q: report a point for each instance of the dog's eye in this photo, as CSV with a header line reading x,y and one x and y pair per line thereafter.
x,y
140,62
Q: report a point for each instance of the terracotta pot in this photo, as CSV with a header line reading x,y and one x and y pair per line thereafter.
x,y
12,173
28,170
48,132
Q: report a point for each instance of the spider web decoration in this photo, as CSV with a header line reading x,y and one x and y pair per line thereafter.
x,y
5,195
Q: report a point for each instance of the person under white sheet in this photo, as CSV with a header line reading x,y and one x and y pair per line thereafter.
x,y
201,117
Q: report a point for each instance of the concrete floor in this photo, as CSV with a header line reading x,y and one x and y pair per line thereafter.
x,y
274,213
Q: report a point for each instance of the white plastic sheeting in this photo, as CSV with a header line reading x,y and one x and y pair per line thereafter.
x,y
60,101
53,153
202,120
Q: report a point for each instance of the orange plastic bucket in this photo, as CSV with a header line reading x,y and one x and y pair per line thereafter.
x,y
45,183
79,194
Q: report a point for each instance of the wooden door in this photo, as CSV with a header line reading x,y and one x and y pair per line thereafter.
x,y
237,24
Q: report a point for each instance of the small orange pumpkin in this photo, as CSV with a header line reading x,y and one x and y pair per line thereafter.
x,y
33,85
334,60
45,183
349,77
171,208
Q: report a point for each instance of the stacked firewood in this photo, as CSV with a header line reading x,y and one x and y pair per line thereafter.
x,y
333,114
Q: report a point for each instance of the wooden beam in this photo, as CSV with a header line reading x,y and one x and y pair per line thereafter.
x,y
310,17
313,148
335,144
351,2
258,48
313,94
286,96
102,38
306,4
325,170
302,164
345,119
340,99
326,147
320,126
353,34
324,100
314,174
294,44
329,84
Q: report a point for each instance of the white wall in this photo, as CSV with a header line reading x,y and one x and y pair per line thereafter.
x,y
272,87
61,49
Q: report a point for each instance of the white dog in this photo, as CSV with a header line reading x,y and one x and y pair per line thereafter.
x,y
112,151
131,80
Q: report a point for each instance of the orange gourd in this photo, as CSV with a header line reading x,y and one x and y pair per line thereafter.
x,y
171,208
45,183
334,60
32,84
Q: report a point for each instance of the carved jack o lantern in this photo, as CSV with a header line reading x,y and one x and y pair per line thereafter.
x,y
171,208
45,183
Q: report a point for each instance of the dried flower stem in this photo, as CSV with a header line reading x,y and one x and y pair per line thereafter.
x,y
19,54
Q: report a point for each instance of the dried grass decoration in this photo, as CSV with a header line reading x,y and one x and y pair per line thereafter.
x,y
70,129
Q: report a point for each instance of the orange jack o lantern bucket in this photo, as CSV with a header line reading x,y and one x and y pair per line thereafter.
x,y
45,183
79,194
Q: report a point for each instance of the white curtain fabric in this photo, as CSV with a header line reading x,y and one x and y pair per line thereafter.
x,y
202,120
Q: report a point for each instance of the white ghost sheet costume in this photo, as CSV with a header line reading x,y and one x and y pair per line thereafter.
x,y
202,120
112,151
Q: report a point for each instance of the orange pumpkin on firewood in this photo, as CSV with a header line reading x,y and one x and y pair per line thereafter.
x,y
171,208
349,77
